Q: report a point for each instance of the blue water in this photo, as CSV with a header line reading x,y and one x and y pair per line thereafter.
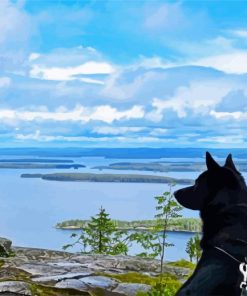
x,y
30,208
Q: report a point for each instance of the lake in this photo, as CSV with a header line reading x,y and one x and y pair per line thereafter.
x,y
30,208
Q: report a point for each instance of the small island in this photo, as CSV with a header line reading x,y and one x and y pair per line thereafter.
x,y
176,224
122,178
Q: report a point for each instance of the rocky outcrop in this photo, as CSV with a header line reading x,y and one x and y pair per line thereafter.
x,y
46,272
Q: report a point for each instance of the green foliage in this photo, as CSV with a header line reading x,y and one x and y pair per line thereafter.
x,y
101,236
193,248
154,240
5,253
167,208
164,285
163,290
183,263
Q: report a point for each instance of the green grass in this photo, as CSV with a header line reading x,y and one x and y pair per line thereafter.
x,y
183,263
170,280
40,290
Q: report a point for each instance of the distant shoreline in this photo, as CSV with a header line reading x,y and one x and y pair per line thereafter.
x,y
190,225
130,229
162,166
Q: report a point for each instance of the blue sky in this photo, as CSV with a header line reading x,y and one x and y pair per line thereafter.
x,y
123,73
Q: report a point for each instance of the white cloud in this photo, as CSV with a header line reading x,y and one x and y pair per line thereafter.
x,y
240,33
232,139
152,63
200,97
14,23
218,53
108,114
158,131
121,130
108,130
231,62
234,62
104,113
39,137
33,56
80,63
237,115
70,73
193,50
123,90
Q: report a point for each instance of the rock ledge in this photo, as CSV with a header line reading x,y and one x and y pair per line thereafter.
x,y
46,272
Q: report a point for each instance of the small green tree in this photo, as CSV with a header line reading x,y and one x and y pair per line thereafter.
x,y
190,249
101,236
167,208
198,250
193,248
155,240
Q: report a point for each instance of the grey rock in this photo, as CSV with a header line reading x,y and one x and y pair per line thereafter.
x,y
88,283
130,289
77,271
56,278
99,282
41,269
18,287
65,264
72,284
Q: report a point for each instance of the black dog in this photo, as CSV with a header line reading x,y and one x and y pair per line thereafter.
x,y
220,194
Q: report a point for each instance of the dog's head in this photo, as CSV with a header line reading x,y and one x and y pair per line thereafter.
x,y
209,183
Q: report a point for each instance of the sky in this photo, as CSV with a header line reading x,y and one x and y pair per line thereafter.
x,y
116,73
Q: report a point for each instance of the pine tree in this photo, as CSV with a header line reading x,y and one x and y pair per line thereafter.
x,y
99,233
101,236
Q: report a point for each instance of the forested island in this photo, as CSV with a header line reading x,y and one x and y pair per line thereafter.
x,y
154,166
35,163
39,166
123,178
177,224
35,160
165,166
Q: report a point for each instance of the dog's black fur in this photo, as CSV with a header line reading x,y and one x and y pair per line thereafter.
x,y
220,194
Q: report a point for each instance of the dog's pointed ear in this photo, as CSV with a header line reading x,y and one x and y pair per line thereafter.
x,y
229,163
212,165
